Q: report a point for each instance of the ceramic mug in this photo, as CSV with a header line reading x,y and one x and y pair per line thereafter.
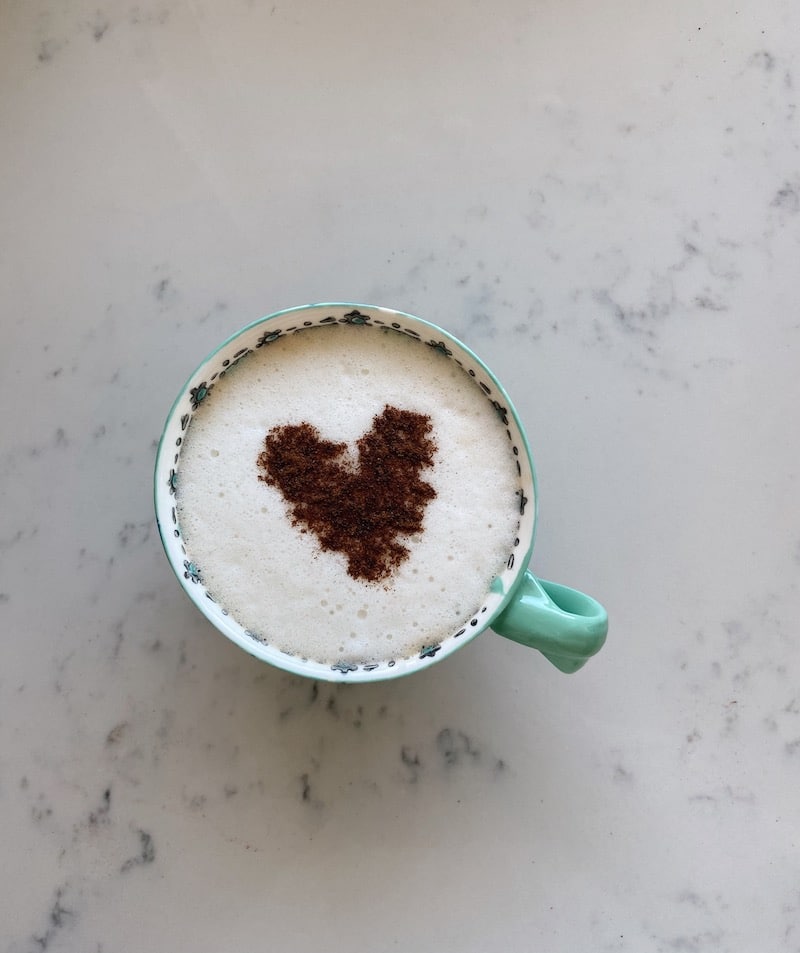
x,y
565,625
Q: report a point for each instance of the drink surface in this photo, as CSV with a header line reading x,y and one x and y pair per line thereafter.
x,y
336,387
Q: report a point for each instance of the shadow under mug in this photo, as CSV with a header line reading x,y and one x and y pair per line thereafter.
x,y
565,625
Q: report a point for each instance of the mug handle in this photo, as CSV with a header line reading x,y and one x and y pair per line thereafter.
x,y
566,626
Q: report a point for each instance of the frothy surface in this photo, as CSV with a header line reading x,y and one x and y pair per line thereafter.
x,y
274,579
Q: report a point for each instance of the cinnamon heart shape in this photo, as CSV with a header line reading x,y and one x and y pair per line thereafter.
x,y
359,507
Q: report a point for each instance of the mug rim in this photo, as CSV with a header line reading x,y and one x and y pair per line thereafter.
x,y
293,663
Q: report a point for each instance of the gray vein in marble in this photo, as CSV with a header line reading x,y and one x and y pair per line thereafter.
x,y
146,854
98,26
58,34
412,763
787,198
95,831
58,919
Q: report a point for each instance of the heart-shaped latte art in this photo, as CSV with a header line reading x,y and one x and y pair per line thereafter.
x,y
361,506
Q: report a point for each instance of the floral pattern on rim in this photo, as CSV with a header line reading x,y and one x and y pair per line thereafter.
x,y
428,651
441,347
502,412
356,317
192,571
200,393
268,337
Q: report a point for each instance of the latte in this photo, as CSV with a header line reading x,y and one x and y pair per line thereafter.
x,y
348,493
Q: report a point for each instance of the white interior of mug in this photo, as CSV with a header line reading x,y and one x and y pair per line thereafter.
x,y
259,335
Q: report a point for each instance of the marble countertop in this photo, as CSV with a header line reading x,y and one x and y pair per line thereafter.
x,y
604,201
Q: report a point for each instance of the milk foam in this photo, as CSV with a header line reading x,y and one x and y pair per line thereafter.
x,y
273,578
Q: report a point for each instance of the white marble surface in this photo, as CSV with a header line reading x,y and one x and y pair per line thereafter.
x,y
604,201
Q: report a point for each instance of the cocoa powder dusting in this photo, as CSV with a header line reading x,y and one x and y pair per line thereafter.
x,y
356,508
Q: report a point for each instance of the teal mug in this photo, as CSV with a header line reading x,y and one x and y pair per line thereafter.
x,y
565,625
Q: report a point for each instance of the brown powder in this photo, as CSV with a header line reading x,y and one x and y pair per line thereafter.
x,y
356,508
